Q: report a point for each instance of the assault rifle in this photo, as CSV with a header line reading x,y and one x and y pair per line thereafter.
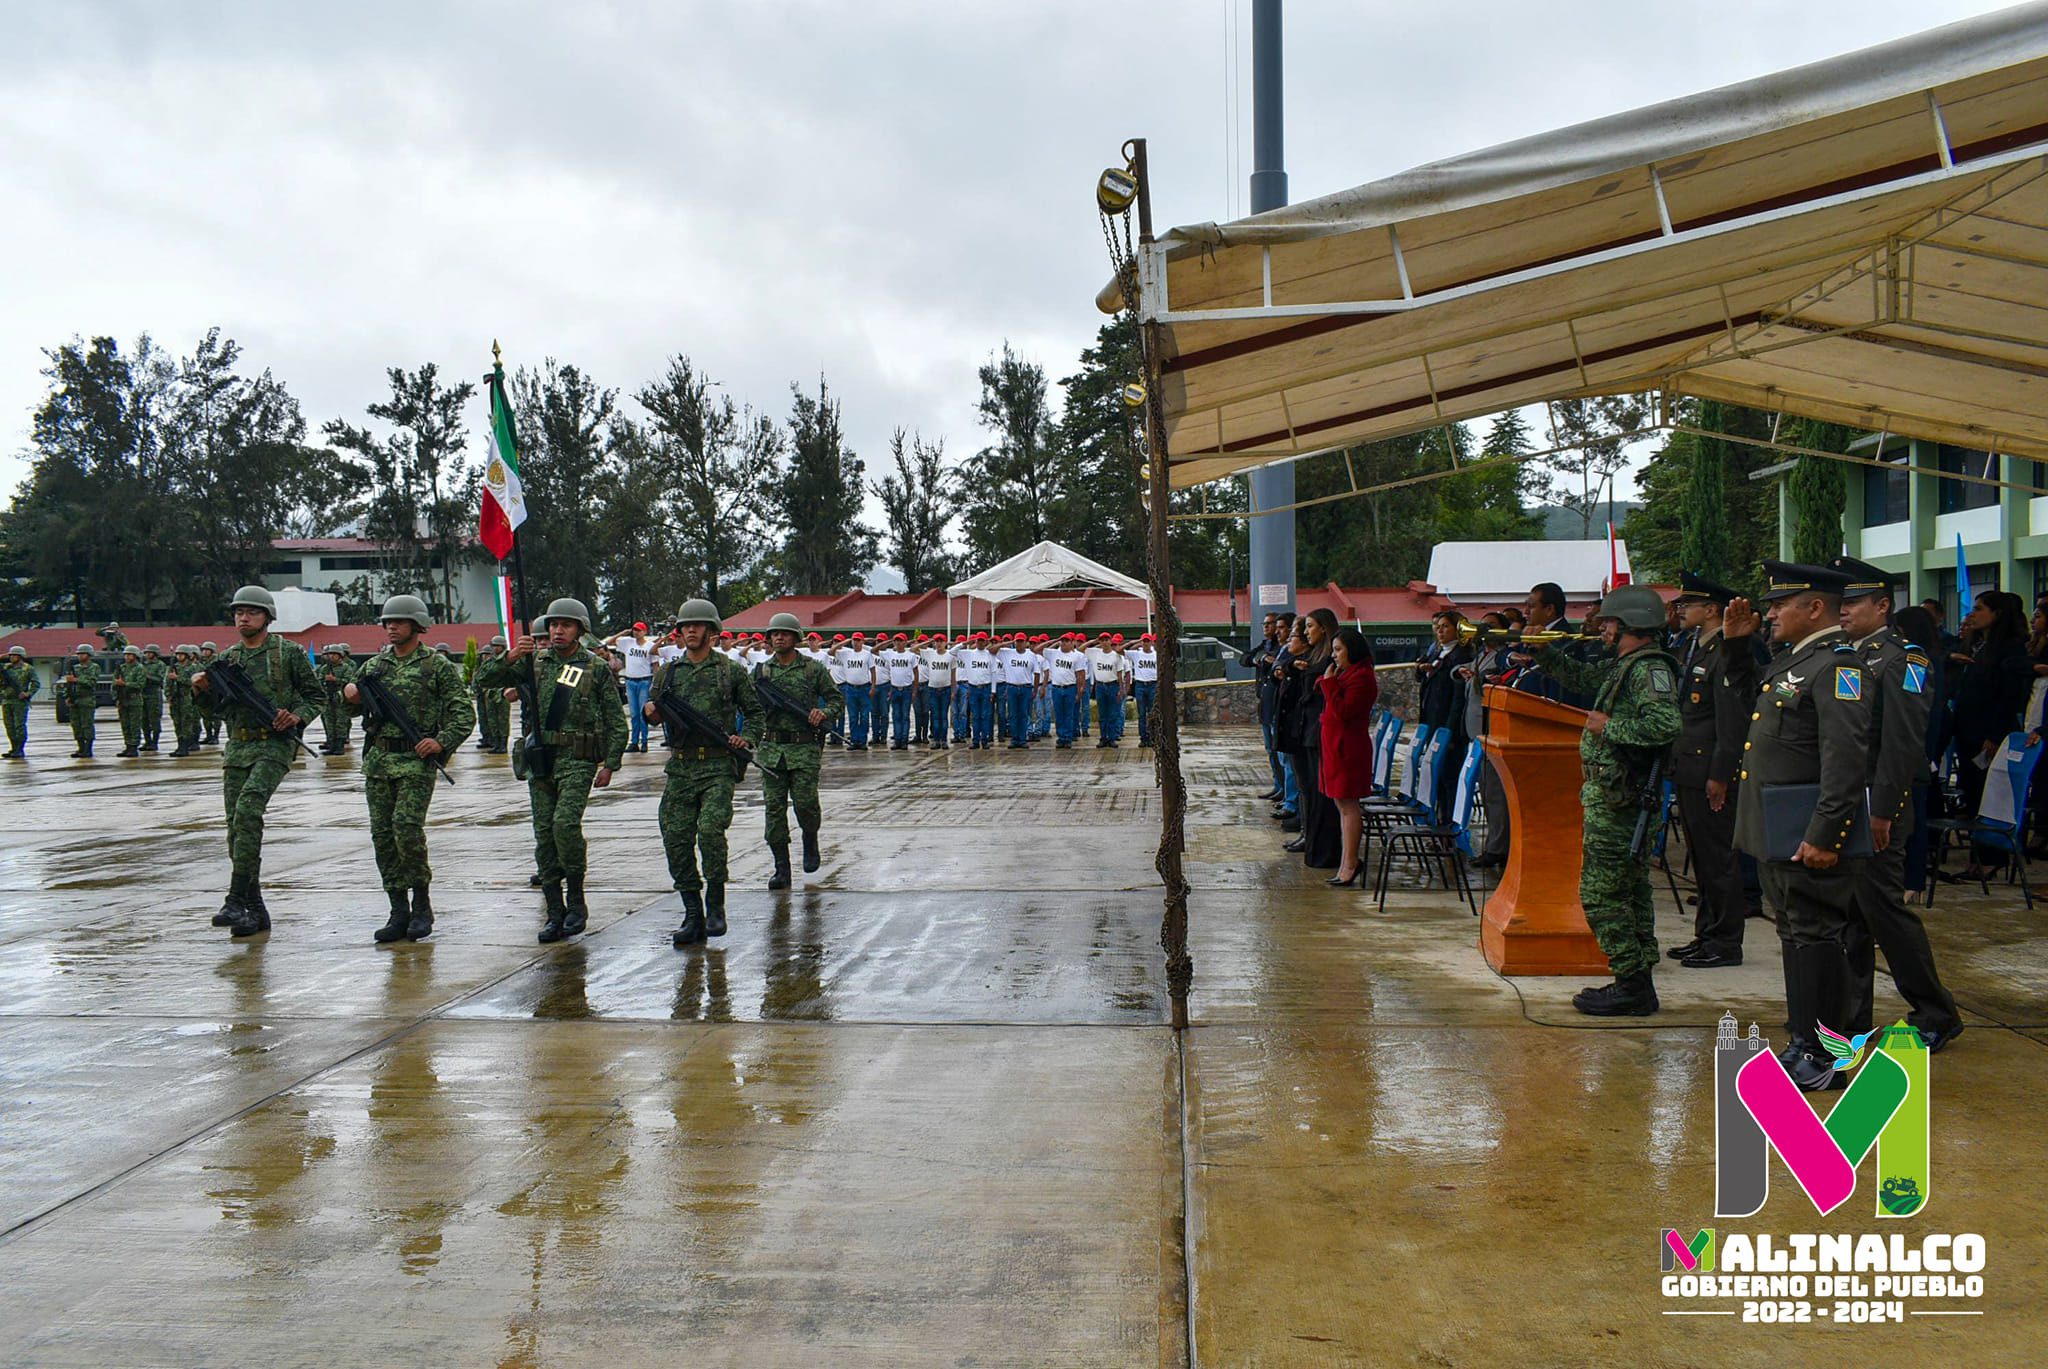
x,y
386,709
685,717
235,687
1651,804
775,696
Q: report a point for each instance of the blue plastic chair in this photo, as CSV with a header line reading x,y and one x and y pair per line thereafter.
x,y
1443,846
2014,768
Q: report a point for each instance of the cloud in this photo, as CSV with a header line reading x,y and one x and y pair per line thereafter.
x,y
882,192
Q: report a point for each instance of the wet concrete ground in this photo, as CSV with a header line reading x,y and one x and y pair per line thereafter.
x,y
922,1110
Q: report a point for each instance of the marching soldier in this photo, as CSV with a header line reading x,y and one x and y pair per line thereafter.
x,y
1896,674
209,723
18,684
129,676
259,750
1810,727
493,713
696,796
792,748
580,739
1715,718
80,692
398,775
155,672
184,710
1634,720
336,673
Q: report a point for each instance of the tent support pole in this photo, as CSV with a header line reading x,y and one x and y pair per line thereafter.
x,y
1173,794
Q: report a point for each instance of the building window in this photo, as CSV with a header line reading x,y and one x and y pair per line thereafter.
x,y
1886,491
351,563
1982,578
282,570
1956,496
2040,579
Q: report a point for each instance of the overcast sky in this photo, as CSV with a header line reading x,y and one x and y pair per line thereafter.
x,y
879,191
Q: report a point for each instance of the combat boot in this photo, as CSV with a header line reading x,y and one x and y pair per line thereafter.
x,y
714,910
1628,996
252,918
421,926
231,906
811,856
394,929
691,932
149,747
126,753
579,911
552,931
780,879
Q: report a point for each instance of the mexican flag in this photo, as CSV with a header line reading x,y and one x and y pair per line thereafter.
x,y
504,502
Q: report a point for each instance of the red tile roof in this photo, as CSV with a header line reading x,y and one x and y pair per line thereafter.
x,y
363,639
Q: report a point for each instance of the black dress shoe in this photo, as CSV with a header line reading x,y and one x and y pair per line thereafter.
x,y
1297,845
1681,952
1488,862
1939,1039
1273,795
1291,825
1708,959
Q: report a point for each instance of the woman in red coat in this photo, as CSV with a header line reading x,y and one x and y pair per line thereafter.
x,y
1350,689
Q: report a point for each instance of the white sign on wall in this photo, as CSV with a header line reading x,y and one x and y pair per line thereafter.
x,y
1275,595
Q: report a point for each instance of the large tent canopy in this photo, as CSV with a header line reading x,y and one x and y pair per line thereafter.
x,y
1038,569
1863,240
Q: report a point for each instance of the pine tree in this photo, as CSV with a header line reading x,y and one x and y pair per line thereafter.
x,y
422,505
826,548
1016,483
1703,508
917,507
714,463
565,449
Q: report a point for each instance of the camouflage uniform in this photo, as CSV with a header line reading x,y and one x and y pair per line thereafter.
x,y
154,674
129,677
397,783
184,710
336,672
209,723
493,710
1639,694
80,689
592,734
696,797
256,757
18,684
791,751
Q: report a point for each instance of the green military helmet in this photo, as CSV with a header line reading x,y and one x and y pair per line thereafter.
x,y
17,651
785,622
499,642
254,596
111,626
130,649
82,649
701,611
208,646
408,606
572,609
1636,607
153,649
186,650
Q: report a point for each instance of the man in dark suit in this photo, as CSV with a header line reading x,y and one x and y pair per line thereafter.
x,y
1714,717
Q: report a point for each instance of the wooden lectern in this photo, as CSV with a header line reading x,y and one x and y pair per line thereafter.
x,y
1533,924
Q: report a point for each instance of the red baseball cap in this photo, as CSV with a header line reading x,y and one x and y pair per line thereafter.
x,y
817,636
1103,633
1147,638
837,636
639,627
860,636
902,636
1118,638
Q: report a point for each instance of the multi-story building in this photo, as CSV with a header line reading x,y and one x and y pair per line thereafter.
x,y
1905,517
334,564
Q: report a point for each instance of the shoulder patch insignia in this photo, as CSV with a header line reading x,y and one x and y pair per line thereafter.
x,y
1661,681
1848,683
1916,677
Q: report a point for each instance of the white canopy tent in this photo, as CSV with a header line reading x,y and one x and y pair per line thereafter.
x,y
1037,569
1863,240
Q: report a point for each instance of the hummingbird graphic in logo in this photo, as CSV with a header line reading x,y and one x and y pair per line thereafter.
x,y
1848,1051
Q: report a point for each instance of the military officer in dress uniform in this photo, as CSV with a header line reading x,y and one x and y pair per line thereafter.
x,y
1704,766
1634,721
1810,726
1896,675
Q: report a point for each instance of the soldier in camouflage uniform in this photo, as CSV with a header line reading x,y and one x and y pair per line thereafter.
x,y
259,750
696,796
129,676
80,690
18,684
208,723
493,712
792,747
336,672
399,776
580,737
1635,720
156,672
184,711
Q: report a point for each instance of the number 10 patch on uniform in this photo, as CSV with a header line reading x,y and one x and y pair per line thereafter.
x,y
1848,683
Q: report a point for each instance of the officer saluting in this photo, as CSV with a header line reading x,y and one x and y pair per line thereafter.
x,y
1715,717
1809,740
1898,674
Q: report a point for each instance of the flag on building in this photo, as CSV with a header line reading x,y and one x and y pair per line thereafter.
x,y
504,502
1963,595
1616,576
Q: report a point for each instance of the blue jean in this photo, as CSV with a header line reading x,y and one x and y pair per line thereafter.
x,y
939,700
1109,703
1065,702
1290,792
879,710
1018,710
1041,712
856,696
963,696
636,700
899,713
1144,692
982,712
1273,755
